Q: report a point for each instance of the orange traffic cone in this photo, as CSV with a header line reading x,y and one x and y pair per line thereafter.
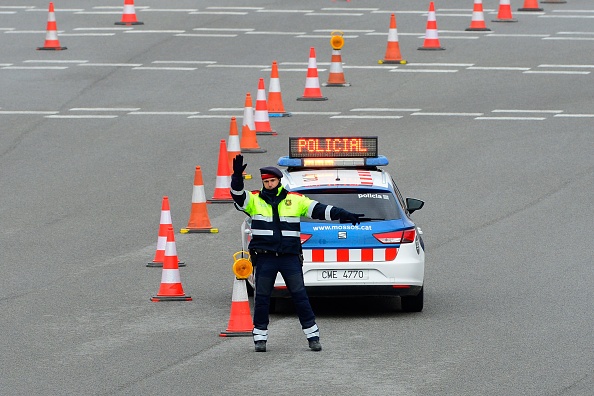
x,y
129,15
504,13
199,221
312,83
171,288
393,49
336,75
478,18
248,113
530,5
51,35
249,141
431,39
261,120
275,97
240,320
222,192
164,223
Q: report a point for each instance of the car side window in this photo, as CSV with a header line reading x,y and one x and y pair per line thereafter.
x,y
399,196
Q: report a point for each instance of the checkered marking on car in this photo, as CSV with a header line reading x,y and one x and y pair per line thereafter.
x,y
349,255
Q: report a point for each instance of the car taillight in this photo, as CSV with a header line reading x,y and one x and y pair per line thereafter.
x,y
403,236
304,237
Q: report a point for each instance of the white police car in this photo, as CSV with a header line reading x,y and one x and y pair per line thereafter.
x,y
382,256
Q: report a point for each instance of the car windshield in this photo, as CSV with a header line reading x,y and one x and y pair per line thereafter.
x,y
376,205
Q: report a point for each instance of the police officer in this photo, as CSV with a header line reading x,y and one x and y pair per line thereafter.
x,y
276,244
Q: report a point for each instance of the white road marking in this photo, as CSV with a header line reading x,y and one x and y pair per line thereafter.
x,y
316,112
512,118
287,11
218,13
205,35
333,14
154,31
165,68
80,116
366,117
555,72
423,70
497,68
187,62
54,61
19,112
163,112
35,67
125,109
113,64
383,109
526,111
576,66
277,33
448,114
575,115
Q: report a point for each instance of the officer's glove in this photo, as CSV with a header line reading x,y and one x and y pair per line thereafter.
x,y
354,218
237,176
238,165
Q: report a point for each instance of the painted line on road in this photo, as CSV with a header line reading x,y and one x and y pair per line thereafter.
x,y
35,67
383,109
103,28
526,111
87,34
366,117
555,72
163,112
448,114
113,64
517,35
276,33
567,16
441,64
165,68
320,36
234,8
570,38
124,109
218,13
573,66
348,9
575,115
85,116
226,109
155,31
240,66
497,68
333,14
286,11
215,116
26,112
330,113
53,61
205,35
512,118
185,62
223,30
423,71
170,10
342,30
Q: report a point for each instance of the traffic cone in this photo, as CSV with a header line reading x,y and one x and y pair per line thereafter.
x,y
249,141
393,55
336,75
51,35
171,288
199,221
248,113
222,192
530,5
129,15
312,83
504,14
261,120
164,223
233,146
431,39
478,18
275,97
240,319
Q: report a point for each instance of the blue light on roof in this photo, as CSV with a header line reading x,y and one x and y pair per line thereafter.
x,y
380,160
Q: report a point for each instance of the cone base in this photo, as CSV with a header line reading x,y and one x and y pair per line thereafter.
x,y
253,150
199,230
320,98
336,85
51,48
471,29
530,9
235,333
170,298
279,114
157,264
392,62
431,48
505,20
129,23
267,133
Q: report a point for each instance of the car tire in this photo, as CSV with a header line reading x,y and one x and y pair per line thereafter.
x,y
412,303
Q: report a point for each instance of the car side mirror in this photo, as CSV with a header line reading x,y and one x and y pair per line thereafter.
x,y
413,204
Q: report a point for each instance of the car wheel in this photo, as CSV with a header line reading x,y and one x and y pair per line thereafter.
x,y
412,303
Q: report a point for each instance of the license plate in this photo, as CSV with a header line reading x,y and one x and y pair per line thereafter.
x,y
343,274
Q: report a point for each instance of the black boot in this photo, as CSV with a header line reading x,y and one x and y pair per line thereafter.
x,y
260,346
314,344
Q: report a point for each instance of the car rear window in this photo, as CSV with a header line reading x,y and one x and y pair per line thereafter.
x,y
374,204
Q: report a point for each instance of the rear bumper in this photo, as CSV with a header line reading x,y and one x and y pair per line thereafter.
x,y
350,291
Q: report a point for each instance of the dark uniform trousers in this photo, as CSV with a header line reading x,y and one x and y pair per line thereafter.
x,y
289,265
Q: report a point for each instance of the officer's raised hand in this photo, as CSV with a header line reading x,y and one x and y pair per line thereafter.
x,y
238,165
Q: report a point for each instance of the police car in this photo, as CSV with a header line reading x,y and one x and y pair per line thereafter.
x,y
384,255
